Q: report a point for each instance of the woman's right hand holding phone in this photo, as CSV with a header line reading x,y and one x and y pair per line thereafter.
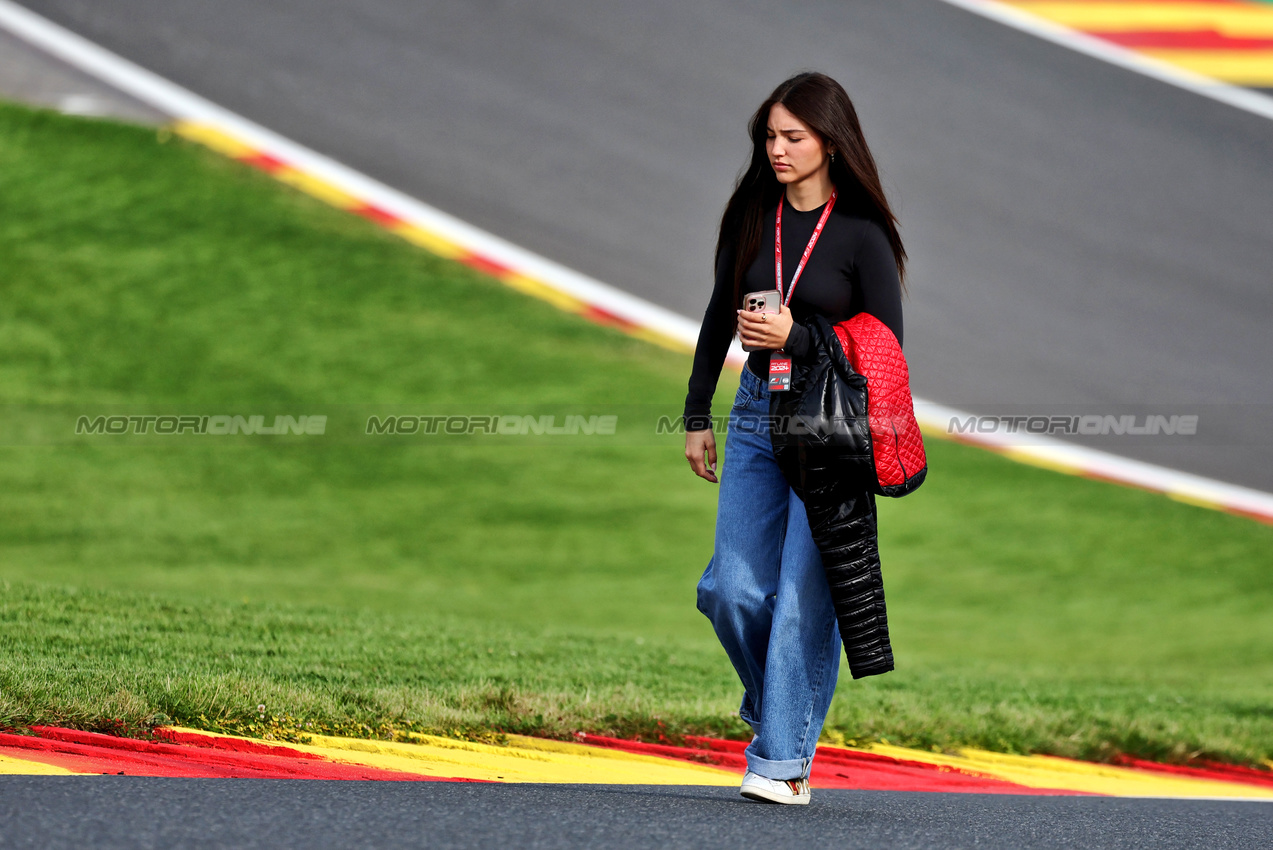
x,y
765,330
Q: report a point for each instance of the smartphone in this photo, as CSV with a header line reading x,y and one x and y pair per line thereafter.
x,y
766,301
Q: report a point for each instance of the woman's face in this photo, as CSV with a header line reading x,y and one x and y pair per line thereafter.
x,y
795,152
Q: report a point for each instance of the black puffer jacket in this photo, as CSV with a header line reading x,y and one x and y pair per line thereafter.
x,y
841,511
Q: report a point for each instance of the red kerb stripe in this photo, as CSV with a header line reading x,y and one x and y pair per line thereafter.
x,y
263,161
604,317
482,264
382,217
1184,40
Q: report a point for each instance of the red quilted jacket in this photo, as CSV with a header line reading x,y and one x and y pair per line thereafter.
x,y
898,447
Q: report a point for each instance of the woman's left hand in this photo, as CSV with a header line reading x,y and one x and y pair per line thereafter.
x,y
765,330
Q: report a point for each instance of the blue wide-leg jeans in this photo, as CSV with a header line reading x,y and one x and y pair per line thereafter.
x,y
767,597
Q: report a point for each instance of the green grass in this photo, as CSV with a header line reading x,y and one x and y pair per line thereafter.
x,y
367,586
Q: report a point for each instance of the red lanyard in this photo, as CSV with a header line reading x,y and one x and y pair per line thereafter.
x,y
813,240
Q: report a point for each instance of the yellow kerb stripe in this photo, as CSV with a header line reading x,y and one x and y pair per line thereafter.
x,y
1040,460
320,189
429,241
541,290
1196,501
1241,21
523,760
11,766
1241,67
211,137
1067,775
652,336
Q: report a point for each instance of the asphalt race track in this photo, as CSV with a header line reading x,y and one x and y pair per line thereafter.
x,y
1084,239
128,812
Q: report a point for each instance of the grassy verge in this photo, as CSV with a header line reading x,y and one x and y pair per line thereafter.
x,y
477,586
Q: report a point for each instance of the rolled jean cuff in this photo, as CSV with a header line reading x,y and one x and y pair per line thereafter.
x,y
779,770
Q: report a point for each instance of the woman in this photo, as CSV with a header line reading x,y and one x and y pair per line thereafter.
x,y
764,589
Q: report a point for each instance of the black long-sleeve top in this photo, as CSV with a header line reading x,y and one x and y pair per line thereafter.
x,y
851,271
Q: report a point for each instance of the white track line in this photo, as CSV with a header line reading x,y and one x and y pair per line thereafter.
x,y
183,104
1242,98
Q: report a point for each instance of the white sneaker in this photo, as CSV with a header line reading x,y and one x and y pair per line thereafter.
x,y
793,792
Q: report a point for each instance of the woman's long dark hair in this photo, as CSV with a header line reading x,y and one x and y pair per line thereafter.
x,y
824,105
